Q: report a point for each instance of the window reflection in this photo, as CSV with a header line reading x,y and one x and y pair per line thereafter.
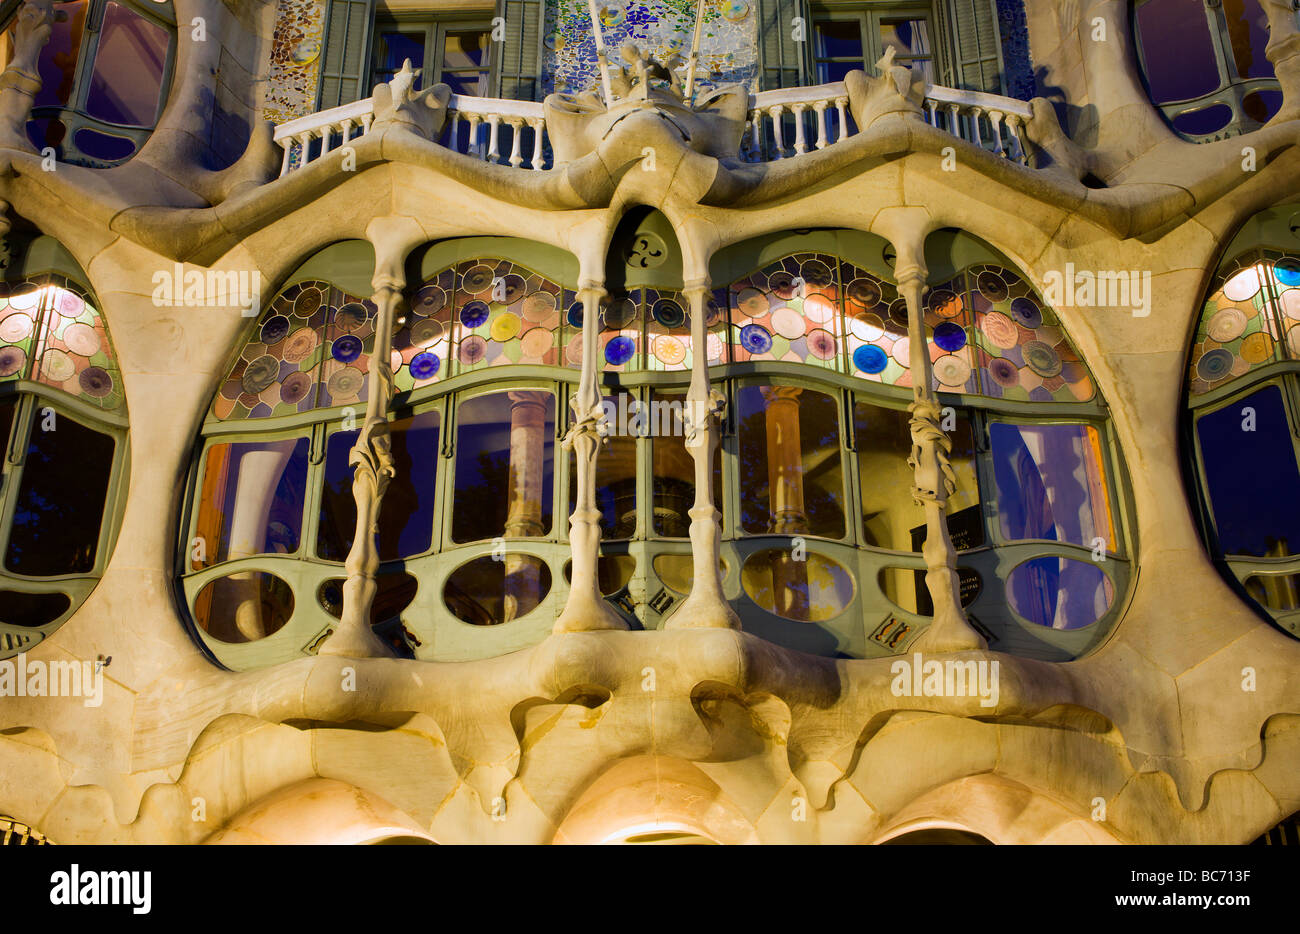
x,y
60,504
674,469
791,476
1051,484
1251,475
126,85
890,517
488,590
1060,593
406,513
504,465
251,500
615,469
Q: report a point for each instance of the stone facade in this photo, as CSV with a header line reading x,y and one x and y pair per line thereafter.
x,y
598,733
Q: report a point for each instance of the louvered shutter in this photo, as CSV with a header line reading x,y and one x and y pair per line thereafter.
x,y
783,62
344,72
519,70
975,40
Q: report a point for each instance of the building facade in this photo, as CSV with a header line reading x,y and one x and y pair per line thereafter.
x,y
753,421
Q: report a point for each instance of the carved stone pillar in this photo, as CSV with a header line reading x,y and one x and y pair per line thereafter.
x,y
1283,51
21,81
371,456
934,479
586,608
706,607
784,460
524,505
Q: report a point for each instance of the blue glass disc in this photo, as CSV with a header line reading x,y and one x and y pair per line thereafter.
x,y
575,315
950,337
755,338
424,365
870,359
474,314
620,350
1287,271
346,348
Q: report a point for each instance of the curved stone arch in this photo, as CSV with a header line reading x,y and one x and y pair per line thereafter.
x,y
650,795
320,811
998,809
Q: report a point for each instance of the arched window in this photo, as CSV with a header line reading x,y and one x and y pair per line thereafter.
x,y
806,339
104,77
1244,402
63,425
467,534
1204,65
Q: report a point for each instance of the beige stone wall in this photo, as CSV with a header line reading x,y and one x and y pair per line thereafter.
x,y
735,740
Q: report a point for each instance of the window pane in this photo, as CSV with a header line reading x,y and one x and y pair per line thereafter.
x,y
674,468
1051,484
890,518
251,500
838,39
791,478
504,467
60,505
406,514
396,47
909,38
1251,476
615,469
126,85
1248,34
1177,49
465,48
58,62
471,83
828,72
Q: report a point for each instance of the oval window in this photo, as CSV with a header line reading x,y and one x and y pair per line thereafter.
x,y
906,588
677,572
486,591
1060,593
32,609
395,592
811,590
612,572
243,607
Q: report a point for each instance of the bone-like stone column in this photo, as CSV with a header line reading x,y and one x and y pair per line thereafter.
x,y
1283,51
524,507
21,81
371,456
586,608
706,607
934,479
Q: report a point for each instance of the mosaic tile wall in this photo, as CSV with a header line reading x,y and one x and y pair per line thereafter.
x,y
295,59
728,44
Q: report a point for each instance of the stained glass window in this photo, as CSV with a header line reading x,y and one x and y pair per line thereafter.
x,y
1251,319
52,333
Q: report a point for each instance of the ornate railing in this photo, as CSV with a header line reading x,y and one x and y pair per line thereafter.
x,y
782,124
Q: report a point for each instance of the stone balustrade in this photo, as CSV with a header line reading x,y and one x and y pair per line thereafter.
x,y
782,124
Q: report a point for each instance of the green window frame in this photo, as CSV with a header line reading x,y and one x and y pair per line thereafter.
x,y
435,31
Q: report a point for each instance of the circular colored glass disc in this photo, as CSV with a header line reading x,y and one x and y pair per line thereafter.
x,y
822,344
1026,312
788,323
95,382
669,350
668,313
346,382
15,327
275,330
425,365
1287,271
1042,359
1243,286
477,279
951,371
755,338
351,316
295,387
620,350
12,360
347,348
428,300
536,342
1005,373
505,327
1000,330
259,374
1227,324
474,314
949,336
539,306
1257,347
870,359
864,292
1215,364
472,350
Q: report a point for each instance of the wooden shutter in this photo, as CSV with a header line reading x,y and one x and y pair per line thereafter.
x,y
783,62
345,63
978,64
519,66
